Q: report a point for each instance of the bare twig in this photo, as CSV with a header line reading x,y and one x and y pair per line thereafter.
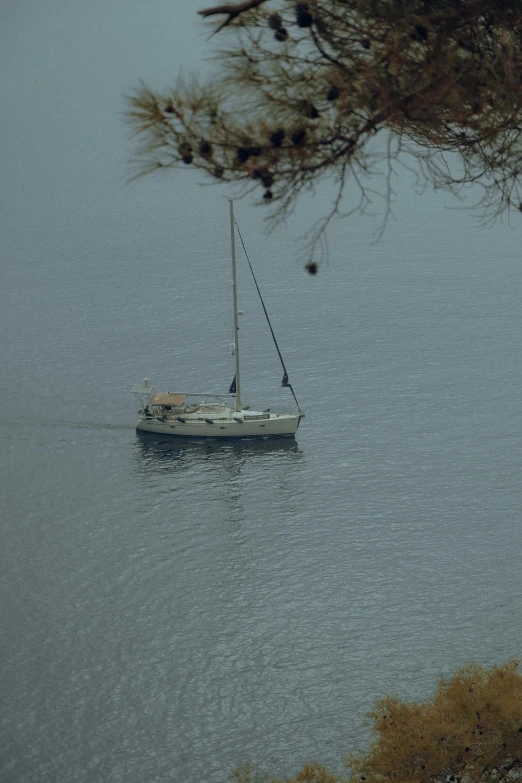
x,y
233,10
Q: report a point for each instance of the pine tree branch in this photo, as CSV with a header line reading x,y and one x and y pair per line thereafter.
x,y
232,9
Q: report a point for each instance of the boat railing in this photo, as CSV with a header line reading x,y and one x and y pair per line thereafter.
x,y
202,394
279,409
224,398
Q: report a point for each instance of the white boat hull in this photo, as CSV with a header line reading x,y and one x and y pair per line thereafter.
x,y
276,426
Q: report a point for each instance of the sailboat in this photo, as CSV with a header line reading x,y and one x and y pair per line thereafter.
x,y
204,415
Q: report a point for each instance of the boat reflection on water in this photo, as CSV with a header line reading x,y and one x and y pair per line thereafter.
x,y
209,474
161,449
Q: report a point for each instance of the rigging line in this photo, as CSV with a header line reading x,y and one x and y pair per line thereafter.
x,y
285,381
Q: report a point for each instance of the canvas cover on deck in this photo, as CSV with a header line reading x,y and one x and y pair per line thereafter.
x,y
165,398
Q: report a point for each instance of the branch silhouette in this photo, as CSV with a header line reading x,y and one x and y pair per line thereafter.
x,y
352,91
232,9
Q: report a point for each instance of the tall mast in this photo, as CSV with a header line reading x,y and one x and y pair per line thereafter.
x,y
234,291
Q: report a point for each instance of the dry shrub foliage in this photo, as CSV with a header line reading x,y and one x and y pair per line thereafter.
x,y
304,87
469,732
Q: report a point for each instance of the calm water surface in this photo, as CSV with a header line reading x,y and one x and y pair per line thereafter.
x,y
171,609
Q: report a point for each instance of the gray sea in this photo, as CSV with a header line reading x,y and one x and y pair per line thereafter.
x,y
171,609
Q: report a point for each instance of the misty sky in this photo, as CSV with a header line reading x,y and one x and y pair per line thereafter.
x,y
65,146
65,69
